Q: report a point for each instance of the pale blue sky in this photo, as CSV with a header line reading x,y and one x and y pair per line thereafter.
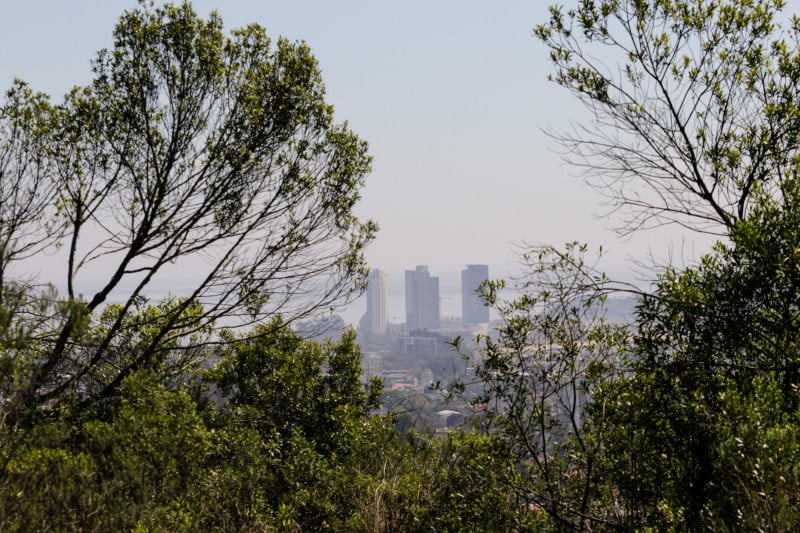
x,y
451,95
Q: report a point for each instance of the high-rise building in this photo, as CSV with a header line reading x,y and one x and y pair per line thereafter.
x,y
422,299
473,310
375,319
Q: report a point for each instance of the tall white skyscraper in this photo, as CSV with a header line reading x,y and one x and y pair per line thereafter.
x,y
422,299
473,311
376,318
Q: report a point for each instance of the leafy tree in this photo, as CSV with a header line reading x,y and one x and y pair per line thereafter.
x,y
283,384
27,190
136,465
695,122
694,105
554,351
327,464
711,408
279,450
190,149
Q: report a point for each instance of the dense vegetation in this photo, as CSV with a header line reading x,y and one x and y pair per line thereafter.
x,y
209,412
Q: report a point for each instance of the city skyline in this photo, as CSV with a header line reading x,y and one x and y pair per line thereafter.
x,y
393,293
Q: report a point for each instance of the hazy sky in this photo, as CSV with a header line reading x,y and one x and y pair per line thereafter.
x,y
450,94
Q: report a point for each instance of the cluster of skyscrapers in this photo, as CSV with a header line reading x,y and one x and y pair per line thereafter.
x,y
422,299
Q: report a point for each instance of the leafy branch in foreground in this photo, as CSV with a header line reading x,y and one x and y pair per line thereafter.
x,y
191,151
553,352
694,106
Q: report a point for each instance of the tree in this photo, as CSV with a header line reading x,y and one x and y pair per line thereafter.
x,y
191,150
694,105
27,190
271,435
710,409
698,125
137,465
694,122
305,404
553,352
288,384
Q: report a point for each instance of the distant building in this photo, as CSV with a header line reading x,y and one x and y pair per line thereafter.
x,y
426,379
371,366
375,319
418,345
422,299
473,310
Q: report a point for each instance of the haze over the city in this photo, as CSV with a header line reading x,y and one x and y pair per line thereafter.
x,y
452,97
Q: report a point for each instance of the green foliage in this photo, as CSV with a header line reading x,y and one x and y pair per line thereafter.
x,y
553,352
286,385
688,421
710,410
694,108
695,121
475,490
280,437
187,141
93,474
154,459
456,483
